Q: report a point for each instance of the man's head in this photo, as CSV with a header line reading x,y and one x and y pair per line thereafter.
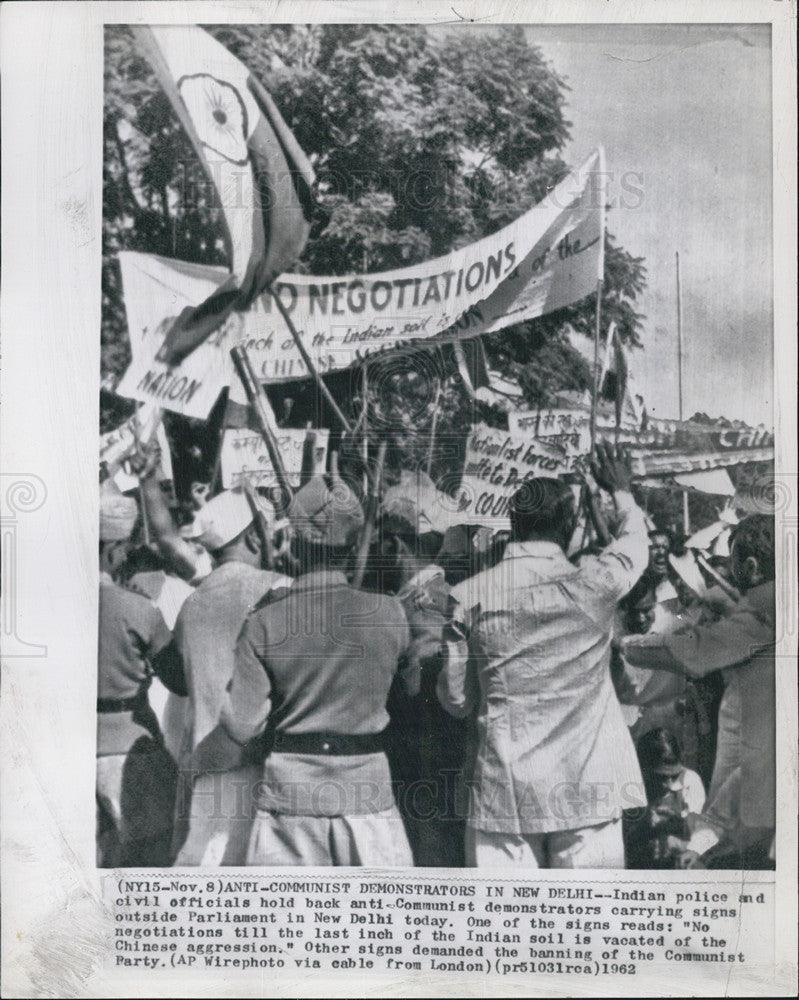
x,y
660,756
659,548
752,551
118,515
424,547
641,614
543,510
226,527
413,519
326,520
404,550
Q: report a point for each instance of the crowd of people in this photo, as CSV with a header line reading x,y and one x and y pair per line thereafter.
x,y
520,704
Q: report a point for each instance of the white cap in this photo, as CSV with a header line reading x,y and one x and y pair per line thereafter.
x,y
118,513
420,504
225,517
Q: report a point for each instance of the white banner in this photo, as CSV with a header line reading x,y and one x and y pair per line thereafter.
x,y
548,258
245,458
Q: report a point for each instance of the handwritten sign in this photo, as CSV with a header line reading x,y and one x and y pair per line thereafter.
x,y
566,432
554,443
549,257
498,462
245,458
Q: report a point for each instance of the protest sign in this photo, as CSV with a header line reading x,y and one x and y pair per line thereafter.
x,y
498,462
549,257
117,445
245,458
557,442
563,431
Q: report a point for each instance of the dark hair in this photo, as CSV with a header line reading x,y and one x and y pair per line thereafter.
x,y
541,507
142,559
662,531
640,588
426,544
754,536
658,747
311,555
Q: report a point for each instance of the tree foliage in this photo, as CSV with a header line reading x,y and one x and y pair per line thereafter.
x,y
422,141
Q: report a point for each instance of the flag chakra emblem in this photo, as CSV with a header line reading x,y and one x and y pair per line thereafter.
x,y
218,114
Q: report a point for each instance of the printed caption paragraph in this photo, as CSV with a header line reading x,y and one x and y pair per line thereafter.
x,y
497,928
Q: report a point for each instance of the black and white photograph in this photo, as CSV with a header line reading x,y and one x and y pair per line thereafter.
x,y
428,379
436,516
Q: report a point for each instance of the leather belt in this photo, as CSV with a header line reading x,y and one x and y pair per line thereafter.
x,y
328,744
106,705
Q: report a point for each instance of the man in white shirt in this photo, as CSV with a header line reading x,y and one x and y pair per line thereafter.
x,y
531,649
218,777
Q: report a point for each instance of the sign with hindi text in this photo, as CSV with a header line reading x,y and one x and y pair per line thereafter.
x,y
245,458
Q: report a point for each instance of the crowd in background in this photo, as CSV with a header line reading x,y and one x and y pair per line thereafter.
x,y
474,700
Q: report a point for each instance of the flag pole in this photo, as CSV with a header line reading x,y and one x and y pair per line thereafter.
x,y
600,191
309,364
216,471
433,428
365,422
679,339
685,514
597,387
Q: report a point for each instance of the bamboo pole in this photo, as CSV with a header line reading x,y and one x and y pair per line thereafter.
x,y
309,363
433,427
265,419
369,518
308,466
365,423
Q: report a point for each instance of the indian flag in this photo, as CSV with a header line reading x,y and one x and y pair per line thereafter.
x,y
263,178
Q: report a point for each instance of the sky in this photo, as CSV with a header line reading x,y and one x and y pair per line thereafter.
x,y
684,115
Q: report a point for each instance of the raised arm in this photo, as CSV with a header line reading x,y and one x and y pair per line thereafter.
x,y
180,556
621,563
457,687
700,650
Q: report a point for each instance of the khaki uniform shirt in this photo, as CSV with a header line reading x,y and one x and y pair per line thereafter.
x,y
131,635
320,657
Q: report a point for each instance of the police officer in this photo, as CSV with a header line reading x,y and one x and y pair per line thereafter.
x,y
316,661
136,775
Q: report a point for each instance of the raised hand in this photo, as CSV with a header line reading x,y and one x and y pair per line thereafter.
x,y
611,467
